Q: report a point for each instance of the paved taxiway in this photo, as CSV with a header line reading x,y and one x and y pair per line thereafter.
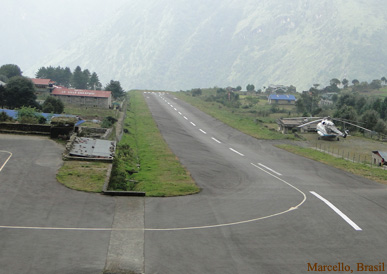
x,y
48,228
256,212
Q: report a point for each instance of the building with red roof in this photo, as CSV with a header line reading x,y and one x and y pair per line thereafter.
x,y
82,97
43,86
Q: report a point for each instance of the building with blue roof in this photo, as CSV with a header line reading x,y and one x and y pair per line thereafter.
x,y
282,99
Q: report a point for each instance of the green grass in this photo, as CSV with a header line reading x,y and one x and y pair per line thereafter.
x,y
160,172
83,176
91,113
243,120
364,170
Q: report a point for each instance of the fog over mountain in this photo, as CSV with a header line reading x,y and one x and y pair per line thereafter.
x,y
178,45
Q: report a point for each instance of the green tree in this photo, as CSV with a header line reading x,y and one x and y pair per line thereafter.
x,y
79,79
355,82
361,103
292,89
10,71
335,82
86,76
115,88
2,96
377,105
238,88
384,80
20,91
52,105
376,84
308,102
66,77
380,126
383,112
370,118
196,92
94,82
347,113
346,99
335,97
250,87
345,83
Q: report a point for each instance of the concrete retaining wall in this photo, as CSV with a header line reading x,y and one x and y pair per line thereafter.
x,y
25,128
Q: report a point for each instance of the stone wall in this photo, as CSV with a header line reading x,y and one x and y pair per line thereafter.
x,y
25,128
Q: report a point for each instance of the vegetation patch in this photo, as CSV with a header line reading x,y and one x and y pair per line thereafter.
x,y
96,113
144,161
364,170
246,114
83,176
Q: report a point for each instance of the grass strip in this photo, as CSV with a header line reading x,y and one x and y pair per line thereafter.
x,y
234,118
373,173
160,173
83,176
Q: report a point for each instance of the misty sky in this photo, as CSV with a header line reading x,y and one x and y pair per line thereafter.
x,y
31,29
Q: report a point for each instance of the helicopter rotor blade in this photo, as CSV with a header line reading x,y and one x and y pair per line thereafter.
x,y
312,122
363,128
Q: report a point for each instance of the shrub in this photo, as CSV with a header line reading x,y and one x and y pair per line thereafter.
x,y
29,115
4,117
108,122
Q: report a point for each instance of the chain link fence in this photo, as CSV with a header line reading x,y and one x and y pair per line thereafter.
x,y
349,155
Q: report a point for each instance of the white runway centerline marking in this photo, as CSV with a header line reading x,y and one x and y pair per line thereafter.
x,y
270,169
219,142
193,124
180,113
338,211
202,131
237,152
185,118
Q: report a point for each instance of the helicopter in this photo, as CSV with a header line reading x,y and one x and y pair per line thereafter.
x,y
327,130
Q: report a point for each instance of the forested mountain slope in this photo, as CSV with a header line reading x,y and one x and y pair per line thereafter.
x,y
174,45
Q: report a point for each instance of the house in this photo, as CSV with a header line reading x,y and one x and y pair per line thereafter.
x,y
2,83
282,99
379,158
85,98
43,86
286,125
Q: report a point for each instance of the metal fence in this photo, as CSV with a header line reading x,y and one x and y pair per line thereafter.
x,y
349,155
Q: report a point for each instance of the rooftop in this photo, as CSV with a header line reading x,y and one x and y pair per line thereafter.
x,y
282,97
94,148
42,82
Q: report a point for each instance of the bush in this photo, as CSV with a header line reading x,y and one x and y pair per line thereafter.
x,y
30,115
53,105
4,117
108,122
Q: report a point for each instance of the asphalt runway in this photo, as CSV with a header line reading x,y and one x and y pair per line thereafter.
x,y
261,209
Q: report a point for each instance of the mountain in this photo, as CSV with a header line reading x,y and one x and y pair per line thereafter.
x,y
178,45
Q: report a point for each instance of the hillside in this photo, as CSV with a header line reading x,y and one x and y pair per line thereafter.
x,y
174,45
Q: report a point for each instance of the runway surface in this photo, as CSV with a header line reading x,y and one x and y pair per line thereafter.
x,y
261,209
